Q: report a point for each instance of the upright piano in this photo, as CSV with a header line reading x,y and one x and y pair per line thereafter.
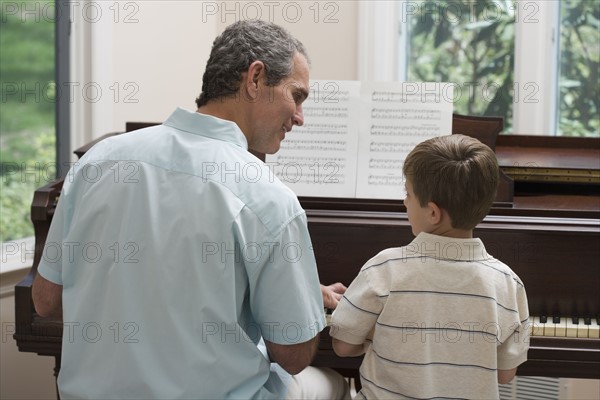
x,y
545,225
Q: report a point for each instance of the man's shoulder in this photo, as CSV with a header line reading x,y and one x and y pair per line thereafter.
x,y
271,201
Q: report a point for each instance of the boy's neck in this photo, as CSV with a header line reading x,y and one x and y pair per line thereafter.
x,y
441,230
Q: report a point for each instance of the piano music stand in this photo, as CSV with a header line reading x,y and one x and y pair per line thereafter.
x,y
486,130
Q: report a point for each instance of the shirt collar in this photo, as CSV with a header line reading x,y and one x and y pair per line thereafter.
x,y
448,248
208,126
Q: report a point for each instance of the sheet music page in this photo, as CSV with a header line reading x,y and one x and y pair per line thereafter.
x,y
395,117
319,158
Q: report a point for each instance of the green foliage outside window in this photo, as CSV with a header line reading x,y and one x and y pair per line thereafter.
x,y
472,45
27,132
579,80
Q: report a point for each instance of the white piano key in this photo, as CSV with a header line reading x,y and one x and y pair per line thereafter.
x,y
560,330
328,315
571,328
550,328
594,329
582,330
537,328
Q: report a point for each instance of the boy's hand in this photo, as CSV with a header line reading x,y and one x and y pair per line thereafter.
x,y
332,294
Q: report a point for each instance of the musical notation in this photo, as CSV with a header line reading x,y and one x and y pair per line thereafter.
x,y
309,162
314,145
389,97
404,131
415,92
382,163
365,130
322,129
401,114
390,147
309,170
385,180
330,112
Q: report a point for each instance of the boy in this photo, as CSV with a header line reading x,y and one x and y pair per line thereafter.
x,y
439,317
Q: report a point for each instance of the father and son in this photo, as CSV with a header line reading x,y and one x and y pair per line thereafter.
x,y
183,325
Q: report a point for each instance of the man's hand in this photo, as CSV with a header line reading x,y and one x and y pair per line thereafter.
x,y
332,294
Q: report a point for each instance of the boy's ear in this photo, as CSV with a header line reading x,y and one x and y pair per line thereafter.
x,y
435,213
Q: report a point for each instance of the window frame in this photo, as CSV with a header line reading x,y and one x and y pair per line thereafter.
x,y
62,70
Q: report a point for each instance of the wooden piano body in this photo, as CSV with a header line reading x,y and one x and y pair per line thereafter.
x,y
546,228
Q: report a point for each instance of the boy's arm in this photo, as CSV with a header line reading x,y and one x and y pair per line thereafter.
x,y
506,375
513,351
353,321
345,349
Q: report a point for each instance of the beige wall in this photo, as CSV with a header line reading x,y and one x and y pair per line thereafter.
x,y
328,30
152,58
162,56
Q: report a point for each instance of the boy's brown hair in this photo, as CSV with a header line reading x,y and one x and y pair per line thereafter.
x,y
458,173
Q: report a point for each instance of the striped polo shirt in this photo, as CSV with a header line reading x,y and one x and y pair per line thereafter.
x,y
443,316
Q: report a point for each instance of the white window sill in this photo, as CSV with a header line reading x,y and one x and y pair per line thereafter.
x,y
16,255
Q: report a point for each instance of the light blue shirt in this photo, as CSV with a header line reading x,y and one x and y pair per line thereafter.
x,y
178,250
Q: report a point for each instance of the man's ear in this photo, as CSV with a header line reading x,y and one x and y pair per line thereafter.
x,y
252,78
434,214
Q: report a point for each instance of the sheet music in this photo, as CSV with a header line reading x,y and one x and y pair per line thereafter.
x,y
356,136
319,158
395,117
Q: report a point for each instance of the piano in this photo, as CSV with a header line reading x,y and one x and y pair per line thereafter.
x,y
545,225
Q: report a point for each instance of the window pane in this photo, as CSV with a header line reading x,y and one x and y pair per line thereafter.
x,y
470,44
579,59
27,132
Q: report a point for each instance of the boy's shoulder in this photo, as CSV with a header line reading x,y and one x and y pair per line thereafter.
x,y
387,256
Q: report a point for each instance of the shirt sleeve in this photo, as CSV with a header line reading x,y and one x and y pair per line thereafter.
x,y
285,295
354,319
513,351
50,266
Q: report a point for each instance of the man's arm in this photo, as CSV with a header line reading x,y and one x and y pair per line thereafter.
x,y
47,297
293,357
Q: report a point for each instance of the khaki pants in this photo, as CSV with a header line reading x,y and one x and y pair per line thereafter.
x,y
318,384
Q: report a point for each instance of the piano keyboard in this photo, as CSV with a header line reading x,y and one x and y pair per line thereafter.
x,y
588,328
328,313
565,327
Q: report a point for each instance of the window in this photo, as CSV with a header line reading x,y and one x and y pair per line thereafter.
x,y
469,44
31,33
579,60
533,62
27,123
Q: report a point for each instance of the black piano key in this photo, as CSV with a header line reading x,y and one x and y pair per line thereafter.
x,y
587,320
543,319
556,319
575,320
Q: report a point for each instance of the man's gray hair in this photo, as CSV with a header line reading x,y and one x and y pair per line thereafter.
x,y
240,45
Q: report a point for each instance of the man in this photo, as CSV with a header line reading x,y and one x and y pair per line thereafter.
x,y
173,250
